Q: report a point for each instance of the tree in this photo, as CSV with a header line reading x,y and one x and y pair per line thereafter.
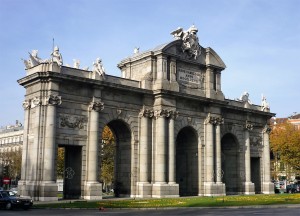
x,y
107,156
12,162
60,163
285,142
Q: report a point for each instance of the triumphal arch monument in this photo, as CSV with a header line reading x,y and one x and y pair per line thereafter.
x,y
176,134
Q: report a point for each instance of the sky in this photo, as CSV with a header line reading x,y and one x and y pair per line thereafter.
x,y
258,40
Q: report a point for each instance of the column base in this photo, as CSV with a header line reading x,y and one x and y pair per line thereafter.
x,y
249,188
48,191
268,188
162,190
214,189
41,191
144,190
92,191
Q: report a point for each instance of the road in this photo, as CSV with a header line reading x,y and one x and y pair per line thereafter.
x,y
174,212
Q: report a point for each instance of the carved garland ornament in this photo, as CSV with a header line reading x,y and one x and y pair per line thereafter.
x,y
72,121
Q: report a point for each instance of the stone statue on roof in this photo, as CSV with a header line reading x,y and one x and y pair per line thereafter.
x,y
33,59
56,56
190,41
245,98
98,67
264,104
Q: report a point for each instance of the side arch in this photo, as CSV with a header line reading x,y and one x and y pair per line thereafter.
x,y
125,129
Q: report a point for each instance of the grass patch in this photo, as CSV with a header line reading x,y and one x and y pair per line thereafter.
x,y
243,200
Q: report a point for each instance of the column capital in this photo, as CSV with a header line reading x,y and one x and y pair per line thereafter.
x,y
36,101
173,114
267,129
26,104
96,105
53,100
148,113
161,113
248,126
214,120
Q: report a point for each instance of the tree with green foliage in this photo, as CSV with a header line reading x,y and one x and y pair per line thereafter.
x,y
12,163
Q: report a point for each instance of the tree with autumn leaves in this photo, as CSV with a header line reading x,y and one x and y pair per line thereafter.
x,y
107,157
285,143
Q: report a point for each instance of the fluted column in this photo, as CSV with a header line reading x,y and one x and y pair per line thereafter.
x,y
92,164
248,185
218,155
144,115
25,150
268,186
160,148
35,143
26,106
248,128
266,153
209,149
50,135
172,150
213,183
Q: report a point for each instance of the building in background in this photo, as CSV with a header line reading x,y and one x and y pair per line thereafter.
x,y
11,140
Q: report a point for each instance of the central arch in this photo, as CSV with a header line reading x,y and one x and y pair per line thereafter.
x,y
122,160
187,162
230,163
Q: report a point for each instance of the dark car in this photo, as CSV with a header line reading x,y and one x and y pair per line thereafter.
x,y
9,200
293,188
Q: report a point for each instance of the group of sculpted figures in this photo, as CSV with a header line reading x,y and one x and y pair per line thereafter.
x,y
56,57
264,104
190,41
34,60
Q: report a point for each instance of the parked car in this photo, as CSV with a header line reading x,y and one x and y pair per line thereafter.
x,y
14,189
9,200
293,188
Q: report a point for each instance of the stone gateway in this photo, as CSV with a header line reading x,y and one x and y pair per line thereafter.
x,y
176,134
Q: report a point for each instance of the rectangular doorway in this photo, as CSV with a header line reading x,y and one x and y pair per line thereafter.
x,y
255,174
72,172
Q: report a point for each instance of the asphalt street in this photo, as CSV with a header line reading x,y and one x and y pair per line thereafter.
x,y
274,211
